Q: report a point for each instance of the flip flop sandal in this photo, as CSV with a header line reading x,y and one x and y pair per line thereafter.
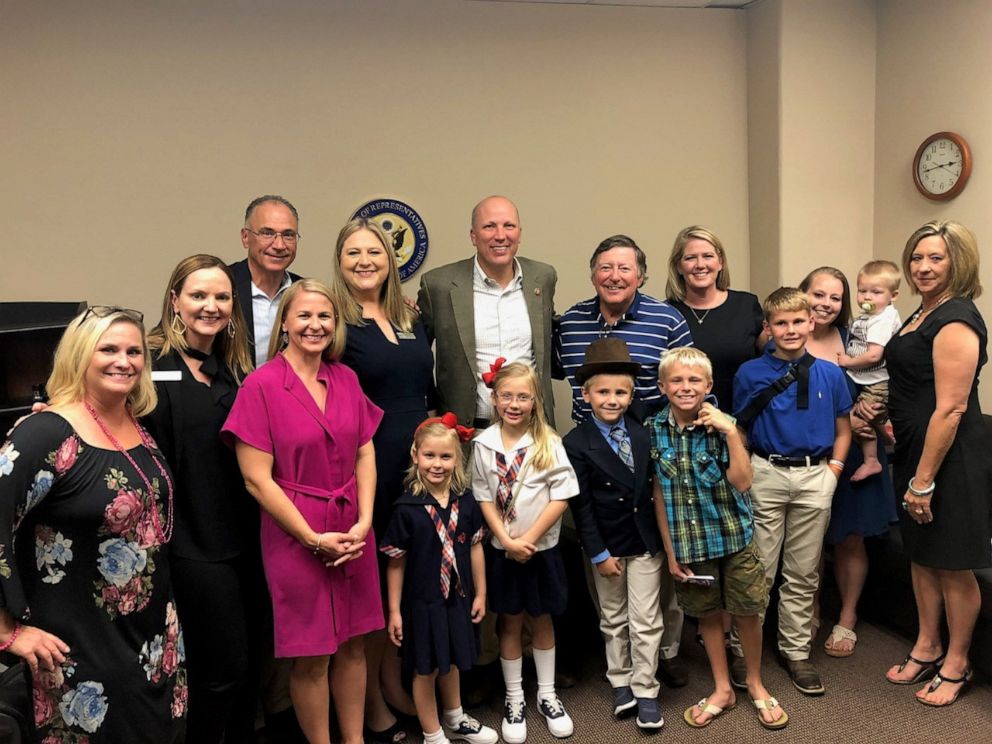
x,y
927,670
838,634
938,680
768,704
705,707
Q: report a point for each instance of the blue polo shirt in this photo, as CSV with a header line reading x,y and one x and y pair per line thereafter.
x,y
781,428
649,327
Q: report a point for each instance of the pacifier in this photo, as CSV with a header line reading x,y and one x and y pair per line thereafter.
x,y
868,306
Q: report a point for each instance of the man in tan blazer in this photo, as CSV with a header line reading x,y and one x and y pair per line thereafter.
x,y
485,307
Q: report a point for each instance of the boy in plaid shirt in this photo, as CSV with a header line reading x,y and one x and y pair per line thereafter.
x,y
702,474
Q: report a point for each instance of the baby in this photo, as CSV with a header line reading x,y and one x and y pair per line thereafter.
x,y
878,286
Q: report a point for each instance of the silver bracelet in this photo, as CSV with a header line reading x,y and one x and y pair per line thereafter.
x,y
838,463
925,492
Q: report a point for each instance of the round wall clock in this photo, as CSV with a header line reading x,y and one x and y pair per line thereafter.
x,y
942,166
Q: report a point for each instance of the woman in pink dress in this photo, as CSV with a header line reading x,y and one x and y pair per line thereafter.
x,y
302,430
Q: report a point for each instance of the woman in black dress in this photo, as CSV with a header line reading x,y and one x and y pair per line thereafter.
x,y
942,464
86,514
200,355
388,349
724,323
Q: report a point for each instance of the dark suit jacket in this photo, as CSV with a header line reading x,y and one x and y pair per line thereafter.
x,y
447,307
242,287
615,507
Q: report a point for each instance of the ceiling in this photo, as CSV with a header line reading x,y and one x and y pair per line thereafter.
x,y
642,3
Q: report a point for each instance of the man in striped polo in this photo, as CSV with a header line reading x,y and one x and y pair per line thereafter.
x,y
649,327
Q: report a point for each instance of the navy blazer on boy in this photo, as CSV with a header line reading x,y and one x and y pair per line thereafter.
x,y
614,510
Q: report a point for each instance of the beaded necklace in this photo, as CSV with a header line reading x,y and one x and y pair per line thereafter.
x,y
163,535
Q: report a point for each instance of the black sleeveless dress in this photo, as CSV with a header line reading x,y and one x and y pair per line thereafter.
x,y
960,536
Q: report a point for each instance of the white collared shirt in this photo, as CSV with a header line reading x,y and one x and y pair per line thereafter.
x,y
535,488
502,328
264,311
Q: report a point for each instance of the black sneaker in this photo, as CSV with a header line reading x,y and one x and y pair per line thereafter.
x,y
649,714
804,676
623,701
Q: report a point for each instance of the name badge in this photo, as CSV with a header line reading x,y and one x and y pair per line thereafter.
x,y
166,375
405,336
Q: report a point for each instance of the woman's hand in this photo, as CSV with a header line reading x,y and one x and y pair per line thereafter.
x,y
340,547
395,627
39,648
519,550
478,608
359,531
918,507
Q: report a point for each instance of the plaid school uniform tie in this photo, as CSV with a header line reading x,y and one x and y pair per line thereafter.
x,y
447,537
507,477
619,435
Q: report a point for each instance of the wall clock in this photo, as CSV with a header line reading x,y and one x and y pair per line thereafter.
x,y
942,166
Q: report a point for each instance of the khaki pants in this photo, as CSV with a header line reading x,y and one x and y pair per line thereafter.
x,y
630,620
791,513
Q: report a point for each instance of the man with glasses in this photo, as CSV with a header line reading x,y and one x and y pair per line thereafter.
x,y
270,236
489,306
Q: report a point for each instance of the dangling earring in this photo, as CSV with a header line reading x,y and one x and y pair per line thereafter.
x,y
179,325
230,329
284,339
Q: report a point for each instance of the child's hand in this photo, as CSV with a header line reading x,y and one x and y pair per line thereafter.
x,y
610,567
679,572
713,418
395,628
478,608
844,361
520,550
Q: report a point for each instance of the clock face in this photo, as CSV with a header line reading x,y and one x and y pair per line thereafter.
x,y
939,166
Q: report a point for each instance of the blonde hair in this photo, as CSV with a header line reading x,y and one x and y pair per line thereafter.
x,y
687,356
785,300
887,271
276,341
543,456
233,350
67,383
459,480
962,250
396,310
675,286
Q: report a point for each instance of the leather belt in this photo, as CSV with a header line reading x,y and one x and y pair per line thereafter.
x,y
791,461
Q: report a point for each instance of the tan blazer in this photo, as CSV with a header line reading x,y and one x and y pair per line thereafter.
x,y
447,307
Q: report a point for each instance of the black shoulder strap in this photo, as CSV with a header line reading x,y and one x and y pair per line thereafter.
x,y
798,372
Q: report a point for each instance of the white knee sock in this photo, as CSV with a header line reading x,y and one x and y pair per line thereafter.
x,y
544,662
513,678
437,737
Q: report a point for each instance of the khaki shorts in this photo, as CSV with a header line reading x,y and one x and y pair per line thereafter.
x,y
877,392
739,587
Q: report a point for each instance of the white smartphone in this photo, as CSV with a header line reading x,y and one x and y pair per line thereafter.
x,y
703,579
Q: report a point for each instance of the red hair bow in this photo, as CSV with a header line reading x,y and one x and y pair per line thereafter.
x,y
487,377
450,420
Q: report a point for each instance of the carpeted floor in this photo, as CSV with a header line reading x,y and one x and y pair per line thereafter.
x,y
859,707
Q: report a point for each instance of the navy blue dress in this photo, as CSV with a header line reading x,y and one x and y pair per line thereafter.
x,y
438,633
399,378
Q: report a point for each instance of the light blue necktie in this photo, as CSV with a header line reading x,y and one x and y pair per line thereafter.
x,y
619,435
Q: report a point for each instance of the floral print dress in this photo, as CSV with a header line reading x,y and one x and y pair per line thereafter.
x,y
81,556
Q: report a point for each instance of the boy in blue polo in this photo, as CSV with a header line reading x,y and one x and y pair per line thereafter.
x,y
794,410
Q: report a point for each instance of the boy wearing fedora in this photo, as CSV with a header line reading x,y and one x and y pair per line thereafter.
x,y
615,519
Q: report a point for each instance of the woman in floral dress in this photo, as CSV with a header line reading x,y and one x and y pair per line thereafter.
x,y
85,515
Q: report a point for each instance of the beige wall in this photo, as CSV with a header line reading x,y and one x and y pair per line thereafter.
x,y
134,135
811,107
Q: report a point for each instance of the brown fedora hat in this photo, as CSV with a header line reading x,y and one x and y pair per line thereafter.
x,y
607,356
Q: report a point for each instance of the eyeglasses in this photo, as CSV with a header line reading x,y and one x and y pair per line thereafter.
x,y
267,235
510,397
105,311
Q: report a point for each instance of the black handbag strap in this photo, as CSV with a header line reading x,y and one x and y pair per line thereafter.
x,y
798,372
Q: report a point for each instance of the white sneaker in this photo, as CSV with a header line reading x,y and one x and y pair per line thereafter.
x,y
514,726
559,722
471,730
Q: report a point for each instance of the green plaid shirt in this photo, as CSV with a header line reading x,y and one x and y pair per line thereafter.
x,y
707,517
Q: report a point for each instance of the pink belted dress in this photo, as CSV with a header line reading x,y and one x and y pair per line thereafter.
x,y
315,608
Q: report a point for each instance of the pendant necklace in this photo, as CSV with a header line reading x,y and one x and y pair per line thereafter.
x,y
920,311
699,318
163,535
